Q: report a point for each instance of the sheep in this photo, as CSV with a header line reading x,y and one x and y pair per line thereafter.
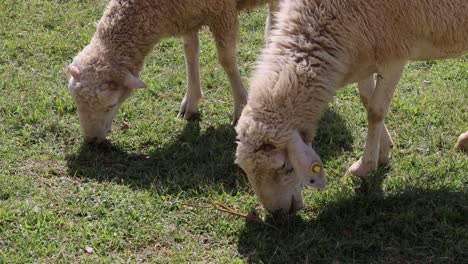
x,y
317,47
105,73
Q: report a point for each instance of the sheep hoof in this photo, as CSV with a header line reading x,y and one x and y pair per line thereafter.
x,y
234,120
362,169
188,109
384,157
384,151
384,160
236,115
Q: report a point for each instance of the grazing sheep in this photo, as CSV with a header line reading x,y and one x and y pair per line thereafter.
x,y
317,47
105,72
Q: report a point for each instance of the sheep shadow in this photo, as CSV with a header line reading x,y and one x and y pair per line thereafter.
x,y
333,137
193,160
415,226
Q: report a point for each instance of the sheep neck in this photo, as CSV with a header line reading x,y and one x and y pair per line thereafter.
x,y
127,37
313,91
294,92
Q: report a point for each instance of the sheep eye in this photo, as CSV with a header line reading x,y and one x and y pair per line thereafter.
x,y
266,148
284,166
289,171
110,108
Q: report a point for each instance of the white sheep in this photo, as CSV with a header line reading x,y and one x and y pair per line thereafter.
x,y
105,72
317,47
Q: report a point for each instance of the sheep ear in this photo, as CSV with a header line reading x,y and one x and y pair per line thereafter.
x,y
131,81
74,72
305,161
298,151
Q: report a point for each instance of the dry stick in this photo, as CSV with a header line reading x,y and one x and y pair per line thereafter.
x,y
224,208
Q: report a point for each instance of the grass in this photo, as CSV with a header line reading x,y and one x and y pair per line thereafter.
x,y
125,200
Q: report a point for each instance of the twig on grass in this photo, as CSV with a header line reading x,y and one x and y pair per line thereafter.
x,y
224,208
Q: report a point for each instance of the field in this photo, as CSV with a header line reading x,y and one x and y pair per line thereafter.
x,y
62,201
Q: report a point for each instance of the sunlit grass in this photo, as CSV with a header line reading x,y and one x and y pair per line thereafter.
x,y
126,200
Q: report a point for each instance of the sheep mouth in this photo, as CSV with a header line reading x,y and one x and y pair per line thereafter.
x,y
296,205
96,141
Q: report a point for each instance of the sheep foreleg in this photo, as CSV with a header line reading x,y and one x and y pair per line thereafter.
x,y
226,39
273,8
189,105
366,89
378,106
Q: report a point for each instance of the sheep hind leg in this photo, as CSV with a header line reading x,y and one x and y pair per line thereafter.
x,y
377,109
366,89
226,39
189,105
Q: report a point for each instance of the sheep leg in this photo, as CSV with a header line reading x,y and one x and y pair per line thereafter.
x,y
189,105
273,8
378,106
366,89
226,39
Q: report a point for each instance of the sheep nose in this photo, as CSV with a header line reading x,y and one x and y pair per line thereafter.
x,y
283,213
279,214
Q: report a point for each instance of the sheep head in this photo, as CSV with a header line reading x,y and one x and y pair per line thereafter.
x,y
98,96
278,163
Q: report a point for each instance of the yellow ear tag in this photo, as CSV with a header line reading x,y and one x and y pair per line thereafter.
x,y
316,168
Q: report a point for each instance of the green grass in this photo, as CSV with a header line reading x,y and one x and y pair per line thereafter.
x,y
126,199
